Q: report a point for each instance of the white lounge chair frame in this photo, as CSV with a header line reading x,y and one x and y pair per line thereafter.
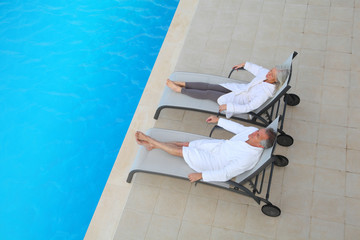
x,y
162,163
261,116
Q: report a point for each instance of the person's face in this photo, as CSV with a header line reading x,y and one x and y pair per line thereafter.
x,y
258,136
271,75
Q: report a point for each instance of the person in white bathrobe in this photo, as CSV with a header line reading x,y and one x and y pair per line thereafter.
x,y
237,98
217,159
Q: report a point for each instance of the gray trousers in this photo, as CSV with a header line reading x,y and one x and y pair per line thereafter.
x,y
201,90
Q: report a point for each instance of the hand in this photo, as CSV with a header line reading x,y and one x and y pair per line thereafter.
x,y
222,107
193,177
212,119
241,65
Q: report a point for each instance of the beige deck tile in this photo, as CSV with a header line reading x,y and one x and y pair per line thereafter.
x,y
353,138
204,190
293,227
321,230
339,44
355,79
175,184
335,96
303,131
327,133
314,41
143,198
253,6
318,12
200,210
299,176
336,78
260,225
352,185
337,60
307,111
352,211
311,58
334,115
342,13
162,227
340,28
191,230
329,181
315,26
220,233
302,153
354,97
296,201
295,10
331,157
342,3
320,2
133,225
148,179
351,232
353,161
230,216
276,8
171,204
328,207
292,25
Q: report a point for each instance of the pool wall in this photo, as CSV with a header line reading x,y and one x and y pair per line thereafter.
x,y
115,194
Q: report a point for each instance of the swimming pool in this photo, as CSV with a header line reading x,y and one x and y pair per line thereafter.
x,y
71,76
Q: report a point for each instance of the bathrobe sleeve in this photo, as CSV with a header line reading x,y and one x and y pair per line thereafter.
x,y
234,127
253,68
232,108
228,172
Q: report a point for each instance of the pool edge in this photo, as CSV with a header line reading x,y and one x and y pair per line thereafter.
x,y
108,212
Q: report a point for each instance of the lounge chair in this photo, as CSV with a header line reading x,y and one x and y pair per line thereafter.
x,y
261,116
160,162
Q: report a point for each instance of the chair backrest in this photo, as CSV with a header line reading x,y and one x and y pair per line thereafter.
x,y
265,158
282,89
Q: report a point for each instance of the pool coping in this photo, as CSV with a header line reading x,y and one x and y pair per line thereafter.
x,y
108,212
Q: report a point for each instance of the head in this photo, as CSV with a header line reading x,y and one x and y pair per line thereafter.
x,y
263,138
277,75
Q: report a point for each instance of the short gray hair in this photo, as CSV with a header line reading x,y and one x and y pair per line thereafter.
x,y
269,142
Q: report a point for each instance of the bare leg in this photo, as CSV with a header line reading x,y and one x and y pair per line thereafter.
x,y
142,142
173,148
173,86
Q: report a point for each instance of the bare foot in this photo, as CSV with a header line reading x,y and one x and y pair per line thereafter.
x,y
173,86
180,84
140,140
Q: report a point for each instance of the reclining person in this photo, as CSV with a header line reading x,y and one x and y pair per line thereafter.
x,y
217,159
236,98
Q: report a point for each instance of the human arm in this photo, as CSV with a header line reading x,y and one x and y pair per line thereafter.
x,y
193,177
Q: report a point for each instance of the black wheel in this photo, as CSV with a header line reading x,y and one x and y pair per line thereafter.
x,y
281,161
271,210
292,99
285,140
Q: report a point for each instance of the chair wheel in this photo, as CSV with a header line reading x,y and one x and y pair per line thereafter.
x,y
281,161
285,140
271,210
292,99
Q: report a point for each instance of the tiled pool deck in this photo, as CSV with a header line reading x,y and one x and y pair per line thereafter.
x,y
318,192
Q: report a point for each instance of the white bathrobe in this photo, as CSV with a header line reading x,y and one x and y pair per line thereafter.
x,y
221,160
245,98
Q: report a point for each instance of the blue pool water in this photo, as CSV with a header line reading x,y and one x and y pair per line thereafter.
x,y
71,76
